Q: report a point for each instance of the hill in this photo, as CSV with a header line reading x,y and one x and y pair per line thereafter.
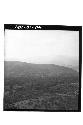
x,y
15,68
40,86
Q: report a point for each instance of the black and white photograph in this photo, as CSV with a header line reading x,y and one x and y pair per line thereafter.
x,y
42,68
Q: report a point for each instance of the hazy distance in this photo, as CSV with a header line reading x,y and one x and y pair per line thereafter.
x,y
42,46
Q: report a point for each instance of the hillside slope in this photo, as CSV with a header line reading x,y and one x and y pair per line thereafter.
x,y
40,86
21,68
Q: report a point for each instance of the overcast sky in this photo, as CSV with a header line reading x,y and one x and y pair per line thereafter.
x,y
41,46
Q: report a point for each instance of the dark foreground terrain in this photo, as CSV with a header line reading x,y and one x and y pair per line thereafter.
x,y
40,87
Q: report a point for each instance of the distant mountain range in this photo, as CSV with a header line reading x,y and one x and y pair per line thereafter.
x,y
16,69
70,62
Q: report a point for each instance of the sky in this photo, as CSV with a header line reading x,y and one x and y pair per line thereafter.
x,y
42,46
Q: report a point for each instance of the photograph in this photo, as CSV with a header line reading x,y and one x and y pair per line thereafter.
x,y
42,68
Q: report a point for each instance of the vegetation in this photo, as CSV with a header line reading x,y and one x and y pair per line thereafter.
x,y
40,87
